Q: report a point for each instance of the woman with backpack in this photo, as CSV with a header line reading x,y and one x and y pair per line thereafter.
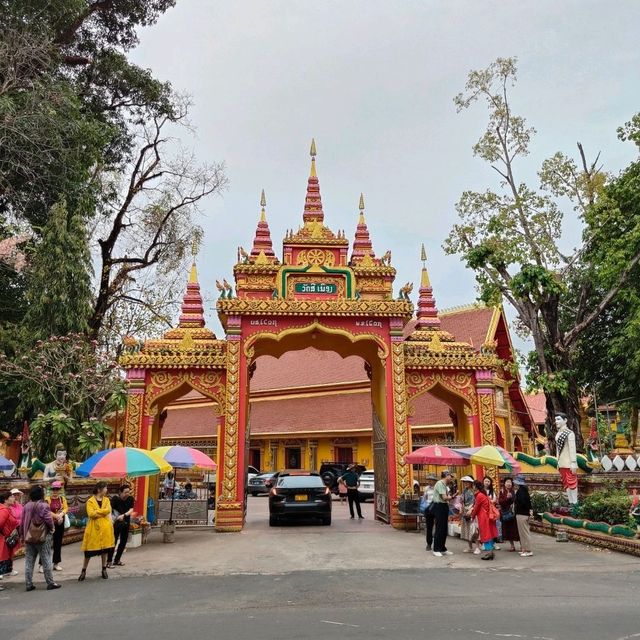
x,y
487,514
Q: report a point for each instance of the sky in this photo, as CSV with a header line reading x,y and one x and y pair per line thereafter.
x,y
373,82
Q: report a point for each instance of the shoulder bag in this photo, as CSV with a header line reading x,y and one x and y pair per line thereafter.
x,y
12,539
494,514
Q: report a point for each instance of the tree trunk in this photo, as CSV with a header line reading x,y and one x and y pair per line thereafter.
x,y
633,427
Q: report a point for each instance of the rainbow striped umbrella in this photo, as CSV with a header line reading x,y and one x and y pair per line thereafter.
x,y
121,462
185,457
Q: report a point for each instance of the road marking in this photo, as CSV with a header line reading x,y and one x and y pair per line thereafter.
x,y
342,624
44,629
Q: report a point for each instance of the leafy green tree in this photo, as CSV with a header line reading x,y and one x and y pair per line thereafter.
x,y
59,293
510,237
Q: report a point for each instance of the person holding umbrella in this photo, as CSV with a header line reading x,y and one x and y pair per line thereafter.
x,y
98,535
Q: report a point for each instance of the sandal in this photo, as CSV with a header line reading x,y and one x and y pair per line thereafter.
x,y
105,575
118,564
82,576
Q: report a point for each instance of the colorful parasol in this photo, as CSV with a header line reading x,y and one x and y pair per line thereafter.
x,y
125,461
490,456
6,464
185,457
436,454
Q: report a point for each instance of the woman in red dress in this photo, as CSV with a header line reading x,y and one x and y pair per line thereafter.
x,y
486,527
8,524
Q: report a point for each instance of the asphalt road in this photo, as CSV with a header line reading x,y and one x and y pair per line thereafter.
x,y
435,603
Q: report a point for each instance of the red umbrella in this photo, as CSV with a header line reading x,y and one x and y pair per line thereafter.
x,y
436,454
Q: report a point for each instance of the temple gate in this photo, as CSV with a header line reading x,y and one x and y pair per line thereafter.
x,y
318,296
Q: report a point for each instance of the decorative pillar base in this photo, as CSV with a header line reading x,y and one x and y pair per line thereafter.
x,y
229,516
403,523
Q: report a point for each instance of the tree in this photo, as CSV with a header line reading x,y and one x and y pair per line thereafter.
x,y
510,238
71,384
148,222
59,277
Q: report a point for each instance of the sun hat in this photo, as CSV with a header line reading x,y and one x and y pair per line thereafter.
x,y
466,479
519,479
56,484
15,492
445,473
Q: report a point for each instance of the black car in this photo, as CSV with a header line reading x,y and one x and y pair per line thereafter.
x,y
299,494
331,471
260,483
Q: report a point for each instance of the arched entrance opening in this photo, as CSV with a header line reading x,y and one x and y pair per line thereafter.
x,y
285,450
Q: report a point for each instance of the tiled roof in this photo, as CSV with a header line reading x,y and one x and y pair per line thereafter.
x,y
427,409
537,404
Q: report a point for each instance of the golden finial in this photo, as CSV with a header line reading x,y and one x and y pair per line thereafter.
x,y
424,280
312,153
263,204
361,207
195,246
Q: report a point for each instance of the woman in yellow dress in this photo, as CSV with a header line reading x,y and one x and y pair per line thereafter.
x,y
98,535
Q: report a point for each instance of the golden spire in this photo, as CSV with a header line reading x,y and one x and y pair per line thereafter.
x,y
195,246
312,153
424,281
361,207
263,204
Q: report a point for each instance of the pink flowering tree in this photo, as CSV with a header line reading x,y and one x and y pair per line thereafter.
x,y
73,385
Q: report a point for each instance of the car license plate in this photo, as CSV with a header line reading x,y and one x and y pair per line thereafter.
x,y
301,498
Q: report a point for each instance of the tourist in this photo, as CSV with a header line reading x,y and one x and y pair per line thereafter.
x,y
121,512
352,482
59,509
440,508
507,514
16,508
487,530
98,534
8,525
36,529
342,491
429,518
487,483
468,525
522,507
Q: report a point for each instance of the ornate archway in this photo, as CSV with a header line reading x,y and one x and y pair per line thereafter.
x,y
320,296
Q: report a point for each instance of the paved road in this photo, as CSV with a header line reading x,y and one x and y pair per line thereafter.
x,y
351,580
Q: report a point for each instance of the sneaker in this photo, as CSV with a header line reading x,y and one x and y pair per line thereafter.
x,y
360,517
526,554
40,569
488,556
437,554
476,552
496,548
448,553
467,550
57,567
13,573
31,587
52,586
428,547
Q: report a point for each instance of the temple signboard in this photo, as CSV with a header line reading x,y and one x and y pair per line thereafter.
x,y
316,287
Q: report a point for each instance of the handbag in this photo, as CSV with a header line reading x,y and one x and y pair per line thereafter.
x,y
508,515
37,533
424,505
67,521
494,514
12,539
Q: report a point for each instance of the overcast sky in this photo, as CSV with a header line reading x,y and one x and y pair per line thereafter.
x,y
374,83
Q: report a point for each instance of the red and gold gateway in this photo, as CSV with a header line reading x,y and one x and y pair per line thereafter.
x,y
332,297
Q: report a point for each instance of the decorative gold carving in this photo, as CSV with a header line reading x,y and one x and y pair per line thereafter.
x,y
401,425
458,383
259,282
341,307
419,356
181,353
316,257
232,411
314,232
133,421
161,383
487,428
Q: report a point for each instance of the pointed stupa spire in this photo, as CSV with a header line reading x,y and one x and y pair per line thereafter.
x,y
192,310
313,202
262,241
362,243
427,313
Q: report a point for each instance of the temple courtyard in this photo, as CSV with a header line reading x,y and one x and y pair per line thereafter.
x,y
354,579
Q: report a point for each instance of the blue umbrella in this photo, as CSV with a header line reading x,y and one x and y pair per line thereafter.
x,y
5,464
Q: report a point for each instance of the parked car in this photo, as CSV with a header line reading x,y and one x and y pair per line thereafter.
x,y
331,471
252,472
299,494
367,485
258,484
